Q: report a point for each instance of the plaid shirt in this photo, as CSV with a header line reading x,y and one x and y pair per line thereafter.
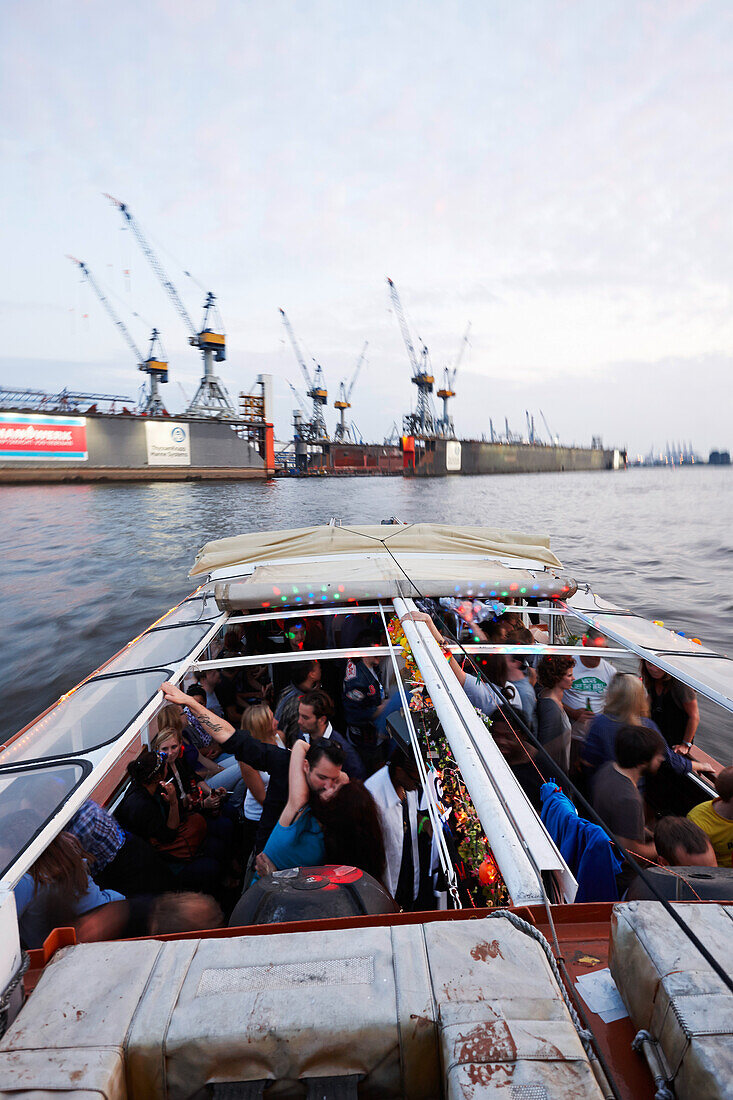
x,y
98,833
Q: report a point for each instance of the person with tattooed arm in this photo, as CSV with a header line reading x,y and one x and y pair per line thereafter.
x,y
258,754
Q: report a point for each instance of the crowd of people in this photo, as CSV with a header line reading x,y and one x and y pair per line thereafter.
x,y
258,768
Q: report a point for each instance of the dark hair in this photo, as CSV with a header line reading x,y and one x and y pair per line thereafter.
x,y
551,670
637,745
145,767
493,629
352,831
680,692
495,668
197,690
724,784
521,635
320,702
232,640
369,636
61,865
301,671
399,758
508,737
672,833
325,746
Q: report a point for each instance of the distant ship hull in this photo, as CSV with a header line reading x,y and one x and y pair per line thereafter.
x,y
441,457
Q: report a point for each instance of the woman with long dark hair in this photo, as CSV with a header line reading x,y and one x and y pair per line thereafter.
x,y
673,707
553,725
352,831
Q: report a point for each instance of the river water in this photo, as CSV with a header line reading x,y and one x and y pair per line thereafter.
x,y
87,567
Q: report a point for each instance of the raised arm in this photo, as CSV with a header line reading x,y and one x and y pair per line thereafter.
x,y
423,617
219,728
298,786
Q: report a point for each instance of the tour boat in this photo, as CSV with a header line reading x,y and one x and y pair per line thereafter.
x,y
511,988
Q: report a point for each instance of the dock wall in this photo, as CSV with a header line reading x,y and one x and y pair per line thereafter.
x,y
98,447
441,457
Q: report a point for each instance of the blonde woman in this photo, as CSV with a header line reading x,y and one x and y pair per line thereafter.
x,y
261,723
626,703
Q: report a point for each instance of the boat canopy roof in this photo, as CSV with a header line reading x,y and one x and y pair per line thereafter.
x,y
379,576
329,541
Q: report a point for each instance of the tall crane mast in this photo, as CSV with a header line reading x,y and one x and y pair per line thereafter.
x,y
422,421
315,428
211,398
343,433
448,391
155,366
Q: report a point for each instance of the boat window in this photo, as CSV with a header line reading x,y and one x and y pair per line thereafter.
x,y
159,647
193,610
92,715
28,800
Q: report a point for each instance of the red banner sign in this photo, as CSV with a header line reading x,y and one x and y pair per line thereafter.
x,y
43,437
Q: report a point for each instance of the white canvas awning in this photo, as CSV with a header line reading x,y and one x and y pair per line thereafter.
x,y
409,538
379,576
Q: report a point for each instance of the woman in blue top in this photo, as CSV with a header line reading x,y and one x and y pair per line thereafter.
x,y
297,839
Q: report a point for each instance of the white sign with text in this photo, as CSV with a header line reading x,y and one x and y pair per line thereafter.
x,y
169,444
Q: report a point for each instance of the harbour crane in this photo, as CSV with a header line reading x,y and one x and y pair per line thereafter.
x,y
448,391
155,366
315,429
422,422
344,433
554,439
211,398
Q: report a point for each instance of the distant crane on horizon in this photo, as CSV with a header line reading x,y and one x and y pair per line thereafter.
x,y
211,398
422,422
447,391
314,429
156,364
344,432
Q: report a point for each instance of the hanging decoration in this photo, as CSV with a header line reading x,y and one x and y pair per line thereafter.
x,y
479,879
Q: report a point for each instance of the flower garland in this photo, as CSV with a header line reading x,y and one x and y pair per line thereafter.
x,y
479,877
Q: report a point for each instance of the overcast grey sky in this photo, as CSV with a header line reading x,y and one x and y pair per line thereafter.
x,y
559,174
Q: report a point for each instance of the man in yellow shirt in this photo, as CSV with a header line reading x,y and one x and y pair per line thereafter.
x,y
716,818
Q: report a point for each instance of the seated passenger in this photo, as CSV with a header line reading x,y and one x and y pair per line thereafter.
x,y
673,707
481,694
395,788
263,757
363,703
518,752
682,843
555,675
58,891
306,677
591,676
352,831
263,726
716,818
118,860
523,675
315,712
297,839
208,679
679,843
615,794
151,810
196,795
625,704
495,668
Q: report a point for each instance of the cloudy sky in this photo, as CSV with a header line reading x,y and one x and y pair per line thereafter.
x,y
559,174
